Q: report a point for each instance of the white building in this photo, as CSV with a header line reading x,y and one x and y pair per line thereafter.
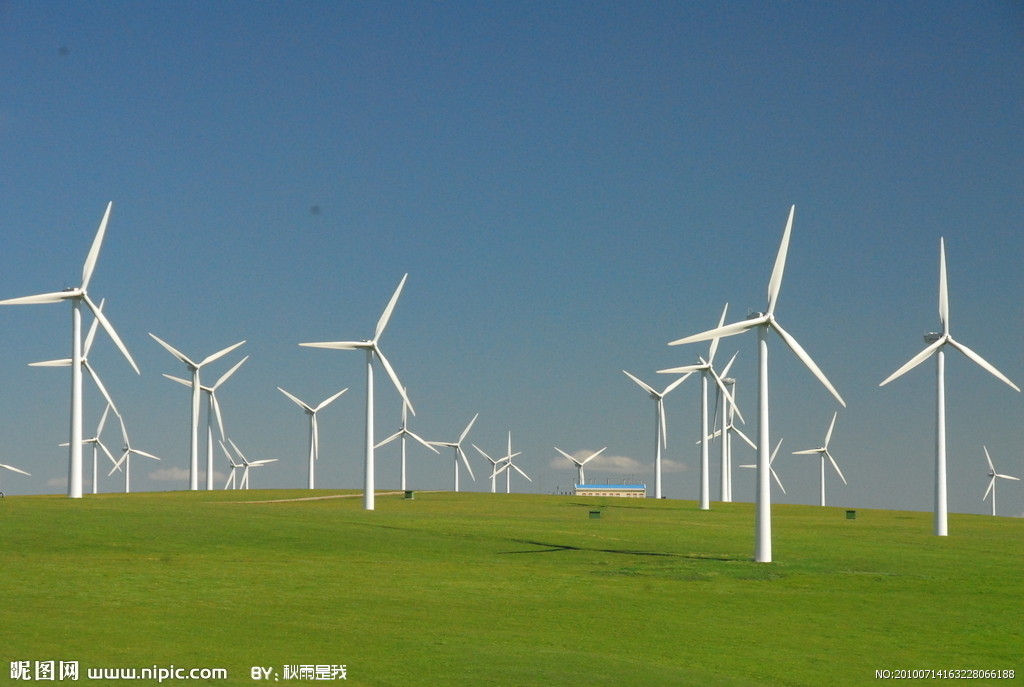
x,y
632,491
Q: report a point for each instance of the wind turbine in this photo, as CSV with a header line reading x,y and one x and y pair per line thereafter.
x,y
246,464
126,457
78,295
580,463
494,465
459,453
402,433
771,469
13,469
98,444
212,411
193,367
509,466
372,349
936,345
232,482
993,475
706,369
660,430
823,452
314,432
764,322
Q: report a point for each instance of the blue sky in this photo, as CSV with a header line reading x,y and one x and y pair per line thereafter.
x,y
569,186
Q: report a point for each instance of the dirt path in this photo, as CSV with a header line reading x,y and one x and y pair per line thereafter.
x,y
319,498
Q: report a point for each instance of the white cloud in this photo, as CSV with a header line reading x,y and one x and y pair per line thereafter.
x,y
171,475
61,482
619,465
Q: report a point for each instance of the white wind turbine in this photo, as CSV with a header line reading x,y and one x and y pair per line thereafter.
x,y
495,464
823,453
509,466
98,444
212,411
78,295
126,457
660,429
372,349
936,345
404,432
993,475
771,469
729,409
193,367
246,464
764,322
231,482
580,463
314,432
459,453
13,469
706,369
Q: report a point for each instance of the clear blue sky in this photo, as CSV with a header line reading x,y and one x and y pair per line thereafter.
x,y
569,186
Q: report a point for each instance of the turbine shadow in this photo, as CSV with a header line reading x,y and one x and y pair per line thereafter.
x,y
551,548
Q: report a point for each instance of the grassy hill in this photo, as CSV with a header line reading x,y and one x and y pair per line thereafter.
x,y
483,589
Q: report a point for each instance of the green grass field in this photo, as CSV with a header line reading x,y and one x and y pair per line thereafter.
x,y
483,589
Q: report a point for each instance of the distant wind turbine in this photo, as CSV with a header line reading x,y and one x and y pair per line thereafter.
x,y
212,411
993,476
126,457
660,430
580,463
402,433
936,345
97,444
495,465
314,432
824,453
706,369
78,295
459,453
193,367
246,464
764,322
509,466
771,468
372,349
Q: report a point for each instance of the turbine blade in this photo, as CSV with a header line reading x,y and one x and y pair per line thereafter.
x,y
224,377
339,345
14,469
423,441
54,297
296,400
916,360
721,332
806,360
110,331
592,456
391,373
943,292
389,439
483,453
643,385
462,436
568,456
725,372
315,431
99,385
683,368
991,486
836,466
63,362
519,470
673,385
91,336
94,251
383,321
828,434
330,399
465,460
664,428
216,412
981,362
220,353
775,283
989,459
807,452
714,342
744,437
173,351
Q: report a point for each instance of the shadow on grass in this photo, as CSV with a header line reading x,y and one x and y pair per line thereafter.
x,y
552,548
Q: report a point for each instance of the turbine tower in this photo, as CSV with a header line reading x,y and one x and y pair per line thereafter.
x,y
936,345
580,463
765,322
78,295
993,476
823,453
193,367
372,349
660,431
402,433
314,432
